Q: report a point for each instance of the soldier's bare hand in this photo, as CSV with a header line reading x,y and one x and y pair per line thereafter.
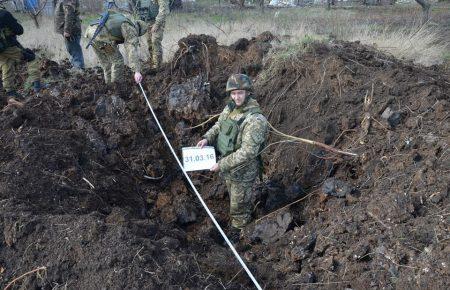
x,y
138,77
202,143
154,28
215,168
66,35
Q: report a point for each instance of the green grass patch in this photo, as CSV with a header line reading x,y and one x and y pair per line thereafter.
x,y
288,53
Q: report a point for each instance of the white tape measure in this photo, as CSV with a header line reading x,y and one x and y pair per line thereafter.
x,y
196,158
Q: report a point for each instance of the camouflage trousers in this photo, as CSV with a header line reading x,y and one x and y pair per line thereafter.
x,y
8,61
111,60
241,206
239,184
154,45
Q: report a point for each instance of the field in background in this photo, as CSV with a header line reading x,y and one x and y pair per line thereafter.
x,y
393,29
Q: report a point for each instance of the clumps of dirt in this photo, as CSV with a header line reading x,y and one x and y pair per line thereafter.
x,y
89,189
394,188
88,185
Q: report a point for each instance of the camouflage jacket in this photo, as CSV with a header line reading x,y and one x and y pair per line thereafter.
x,y
129,37
67,17
252,135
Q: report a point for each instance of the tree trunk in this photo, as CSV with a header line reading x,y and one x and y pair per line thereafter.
x,y
425,10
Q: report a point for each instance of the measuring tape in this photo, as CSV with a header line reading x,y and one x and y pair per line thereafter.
x,y
236,254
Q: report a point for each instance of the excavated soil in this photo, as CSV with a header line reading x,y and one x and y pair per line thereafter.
x,y
89,190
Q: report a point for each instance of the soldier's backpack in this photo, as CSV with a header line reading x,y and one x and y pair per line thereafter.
x,y
114,23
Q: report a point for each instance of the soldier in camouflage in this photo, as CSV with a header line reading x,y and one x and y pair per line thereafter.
x,y
239,135
118,29
12,53
68,24
154,12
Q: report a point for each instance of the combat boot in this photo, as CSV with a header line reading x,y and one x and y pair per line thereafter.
x,y
234,235
14,100
37,86
13,94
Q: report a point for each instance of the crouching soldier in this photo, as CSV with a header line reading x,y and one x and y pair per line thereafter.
x,y
12,52
239,135
118,29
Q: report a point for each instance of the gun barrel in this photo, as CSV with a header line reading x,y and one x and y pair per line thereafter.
x,y
100,25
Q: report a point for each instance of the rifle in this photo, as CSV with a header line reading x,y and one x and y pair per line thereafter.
x,y
101,23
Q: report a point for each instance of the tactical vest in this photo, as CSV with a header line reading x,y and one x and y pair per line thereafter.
x,y
114,23
229,131
148,10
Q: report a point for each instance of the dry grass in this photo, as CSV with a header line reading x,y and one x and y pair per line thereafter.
x,y
423,45
50,43
392,30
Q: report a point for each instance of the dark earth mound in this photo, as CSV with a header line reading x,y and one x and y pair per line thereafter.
x,y
89,190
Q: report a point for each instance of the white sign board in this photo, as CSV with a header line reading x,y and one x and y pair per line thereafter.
x,y
196,158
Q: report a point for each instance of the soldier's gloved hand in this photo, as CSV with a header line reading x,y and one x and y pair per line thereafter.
x,y
215,168
202,143
28,55
137,77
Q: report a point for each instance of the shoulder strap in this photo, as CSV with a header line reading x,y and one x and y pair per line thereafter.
x,y
251,111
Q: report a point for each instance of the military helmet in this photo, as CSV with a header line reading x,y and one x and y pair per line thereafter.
x,y
239,82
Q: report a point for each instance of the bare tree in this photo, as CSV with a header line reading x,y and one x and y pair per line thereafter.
x,y
32,10
425,10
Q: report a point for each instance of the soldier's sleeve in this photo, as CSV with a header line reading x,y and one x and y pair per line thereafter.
x,y
131,45
212,133
162,13
253,135
70,16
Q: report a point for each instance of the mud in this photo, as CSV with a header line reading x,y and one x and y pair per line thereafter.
x,y
89,189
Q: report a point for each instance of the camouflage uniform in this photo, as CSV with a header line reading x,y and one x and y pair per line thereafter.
x,y
67,20
106,45
241,167
12,52
67,17
154,12
154,39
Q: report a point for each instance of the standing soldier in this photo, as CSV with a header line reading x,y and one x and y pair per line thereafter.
x,y
68,24
239,136
154,12
118,29
12,52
